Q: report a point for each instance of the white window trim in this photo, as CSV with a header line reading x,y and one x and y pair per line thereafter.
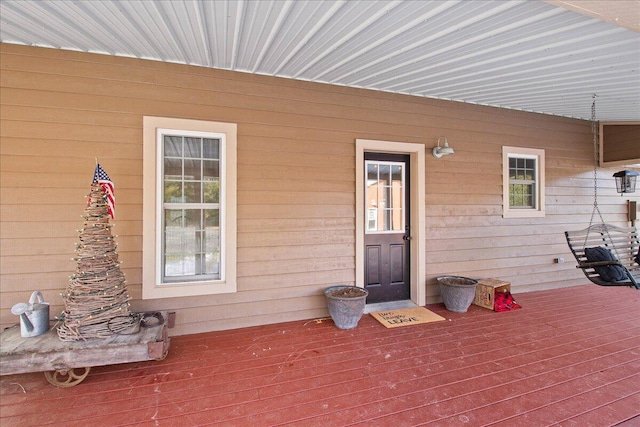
x,y
538,154
151,239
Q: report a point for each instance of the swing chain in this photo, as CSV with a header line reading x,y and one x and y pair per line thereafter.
x,y
596,208
594,132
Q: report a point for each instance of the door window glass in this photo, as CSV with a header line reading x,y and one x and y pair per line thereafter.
x,y
385,202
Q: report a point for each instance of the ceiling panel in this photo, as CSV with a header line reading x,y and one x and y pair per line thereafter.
x,y
527,55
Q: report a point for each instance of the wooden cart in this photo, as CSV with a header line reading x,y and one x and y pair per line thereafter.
x,y
67,363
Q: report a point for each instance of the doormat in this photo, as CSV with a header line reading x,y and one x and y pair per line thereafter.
x,y
406,317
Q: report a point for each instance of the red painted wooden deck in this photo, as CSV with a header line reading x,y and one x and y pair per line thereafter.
x,y
569,357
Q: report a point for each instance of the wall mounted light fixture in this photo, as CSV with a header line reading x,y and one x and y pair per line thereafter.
x,y
626,181
445,150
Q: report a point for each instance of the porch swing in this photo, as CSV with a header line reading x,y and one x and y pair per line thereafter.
x,y
607,254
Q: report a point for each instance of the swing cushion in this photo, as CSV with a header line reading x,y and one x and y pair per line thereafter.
x,y
608,273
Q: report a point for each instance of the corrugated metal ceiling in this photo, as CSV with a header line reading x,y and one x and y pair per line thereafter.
x,y
527,55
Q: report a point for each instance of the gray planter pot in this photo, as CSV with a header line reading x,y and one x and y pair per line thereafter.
x,y
457,292
346,305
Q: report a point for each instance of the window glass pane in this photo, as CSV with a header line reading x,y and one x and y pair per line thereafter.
x,y
383,197
212,218
396,174
396,219
212,242
211,148
386,219
175,243
385,174
172,168
192,192
184,243
210,170
372,196
192,148
192,169
212,264
522,195
211,191
396,198
530,169
193,220
372,173
172,146
396,202
513,195
173,192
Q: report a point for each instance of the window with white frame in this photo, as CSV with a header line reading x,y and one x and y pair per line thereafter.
x,y
189,207
523,182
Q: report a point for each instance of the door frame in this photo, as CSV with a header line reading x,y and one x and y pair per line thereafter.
x,y
416,154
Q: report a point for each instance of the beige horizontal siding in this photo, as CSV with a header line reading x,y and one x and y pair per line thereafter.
x,y
296,181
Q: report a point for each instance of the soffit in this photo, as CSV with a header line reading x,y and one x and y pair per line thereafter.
x,y
526,55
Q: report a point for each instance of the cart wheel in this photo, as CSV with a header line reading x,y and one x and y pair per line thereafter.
x,y
67,378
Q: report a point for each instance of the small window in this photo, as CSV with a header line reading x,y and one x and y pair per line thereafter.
x,y
189,209
523,182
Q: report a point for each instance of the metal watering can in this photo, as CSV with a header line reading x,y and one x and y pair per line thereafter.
x,y
34,316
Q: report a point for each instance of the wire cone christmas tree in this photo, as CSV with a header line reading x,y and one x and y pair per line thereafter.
x,y
96,300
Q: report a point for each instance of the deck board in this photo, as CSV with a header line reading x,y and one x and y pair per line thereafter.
x,y
569,357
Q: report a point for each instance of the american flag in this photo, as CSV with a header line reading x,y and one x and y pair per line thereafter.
x,y
100,177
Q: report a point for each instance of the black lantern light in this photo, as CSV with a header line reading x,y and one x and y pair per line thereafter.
x,y
626,181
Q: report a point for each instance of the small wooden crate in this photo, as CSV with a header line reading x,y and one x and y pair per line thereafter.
x,y
486,291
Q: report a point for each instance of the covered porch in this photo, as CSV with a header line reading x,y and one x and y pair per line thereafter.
x,y
570,356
